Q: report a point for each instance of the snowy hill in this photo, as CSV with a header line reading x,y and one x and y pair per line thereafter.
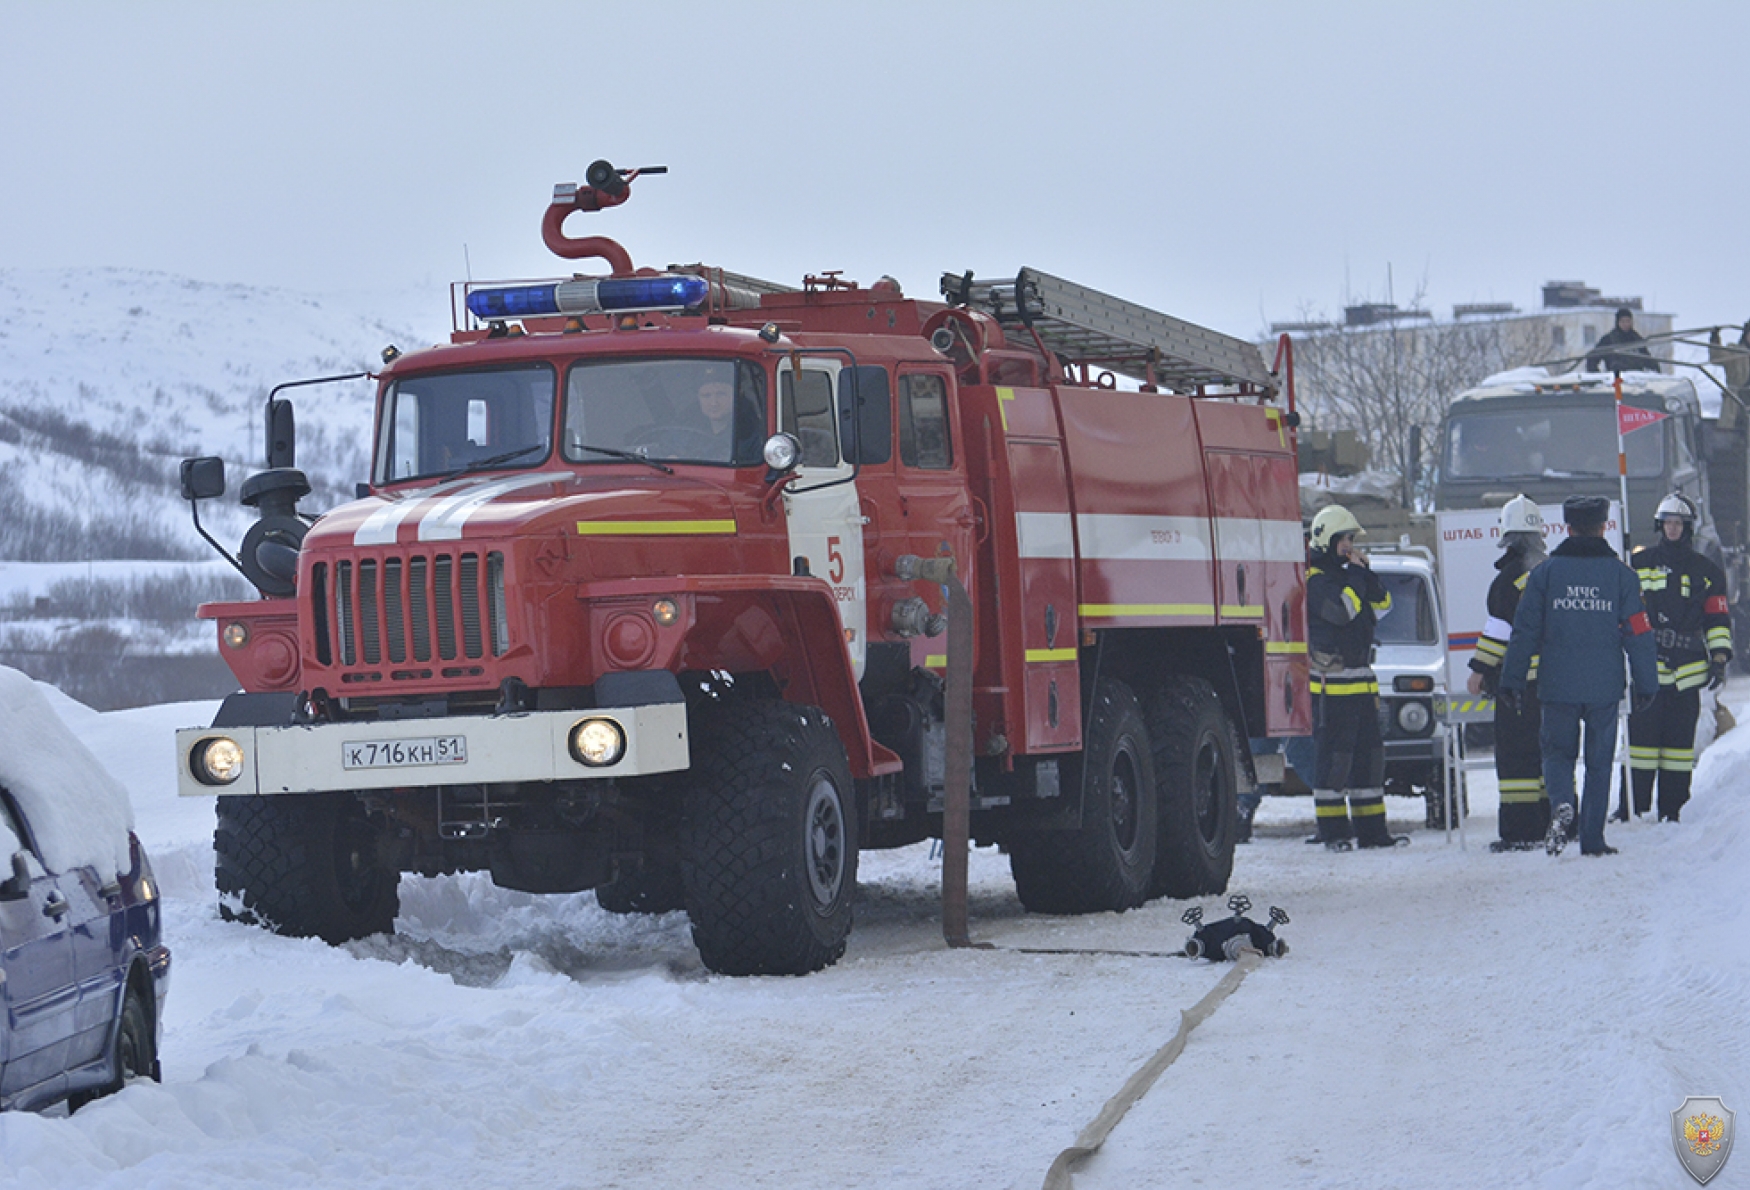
x,y
109,378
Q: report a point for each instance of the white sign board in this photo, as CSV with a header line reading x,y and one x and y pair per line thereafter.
x,y
1469,544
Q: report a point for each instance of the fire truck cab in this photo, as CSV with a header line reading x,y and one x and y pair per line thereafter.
x,y
646,595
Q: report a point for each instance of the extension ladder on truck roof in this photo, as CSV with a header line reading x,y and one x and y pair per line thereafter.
x,y
1086,327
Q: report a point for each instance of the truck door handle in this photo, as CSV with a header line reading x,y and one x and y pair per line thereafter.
x,y
56,906
111,890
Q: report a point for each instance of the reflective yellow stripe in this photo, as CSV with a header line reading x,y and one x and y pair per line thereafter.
x,y
1467,706
1367,808
1240,611
1521,791
936,661
1051,655
1677,760
1320,686
1384,604
1121,611
1004,396
1642,757
1519,583
653,528
1719,637
1330,810
1285,646
1652,579
1352,601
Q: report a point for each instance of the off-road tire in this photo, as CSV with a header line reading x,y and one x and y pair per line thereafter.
x,y
1107,863
651,889
769,839
1195,766
306,865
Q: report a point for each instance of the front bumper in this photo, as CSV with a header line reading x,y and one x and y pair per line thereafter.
x,y
527,746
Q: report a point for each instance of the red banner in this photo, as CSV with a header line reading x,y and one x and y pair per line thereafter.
x,y
1631,418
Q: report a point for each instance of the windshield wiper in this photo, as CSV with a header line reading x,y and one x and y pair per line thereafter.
x,y
627,455
491,460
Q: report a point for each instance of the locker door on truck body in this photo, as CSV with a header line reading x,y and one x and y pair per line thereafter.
x,y
1260,559
1045,553
1141,509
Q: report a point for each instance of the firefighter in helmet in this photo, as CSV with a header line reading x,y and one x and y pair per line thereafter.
x,y
1685,596
1524,817
1345,600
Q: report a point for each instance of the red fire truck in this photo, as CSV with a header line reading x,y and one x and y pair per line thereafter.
x,y
645,594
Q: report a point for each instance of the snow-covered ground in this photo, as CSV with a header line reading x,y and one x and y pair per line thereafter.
x,y
1446,1017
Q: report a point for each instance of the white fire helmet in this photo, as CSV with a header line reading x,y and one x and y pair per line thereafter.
x,y
1333,521
1520,515
1677,505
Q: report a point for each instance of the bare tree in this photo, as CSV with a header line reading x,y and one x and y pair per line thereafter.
x,y
1391,380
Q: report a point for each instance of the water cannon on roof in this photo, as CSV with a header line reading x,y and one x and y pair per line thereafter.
x,y
605,186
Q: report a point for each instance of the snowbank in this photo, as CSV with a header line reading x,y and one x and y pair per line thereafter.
x,y
80,814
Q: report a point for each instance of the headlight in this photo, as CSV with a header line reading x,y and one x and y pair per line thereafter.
x,y
217,761
236,634
597,742
782,452
1413,716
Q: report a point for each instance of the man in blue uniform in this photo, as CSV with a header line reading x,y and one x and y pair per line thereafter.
x,y
1344,601
1580,612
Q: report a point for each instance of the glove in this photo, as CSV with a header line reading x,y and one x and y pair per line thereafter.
x,y
1716,671
1512,701
1643,701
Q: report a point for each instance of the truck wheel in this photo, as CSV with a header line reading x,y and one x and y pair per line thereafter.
x,y
1106,864
769,840
1195,762
650,889
304,865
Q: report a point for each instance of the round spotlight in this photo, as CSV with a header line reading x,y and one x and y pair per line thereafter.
x,y
236,634
1413,716
666,611
597,743
782,452
217,761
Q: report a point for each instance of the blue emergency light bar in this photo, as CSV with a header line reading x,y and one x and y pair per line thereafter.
x,y
612,295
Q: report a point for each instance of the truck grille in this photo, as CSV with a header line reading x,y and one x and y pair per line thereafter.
x,y
412,610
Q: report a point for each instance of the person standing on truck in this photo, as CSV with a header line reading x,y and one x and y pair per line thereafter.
x,y
1685,594
1580,611
1622,349
1345,600
1524,814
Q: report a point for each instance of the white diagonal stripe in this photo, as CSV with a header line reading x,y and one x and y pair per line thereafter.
x,y
445,520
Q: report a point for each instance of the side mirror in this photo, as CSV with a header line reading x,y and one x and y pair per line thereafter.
x,y
203,478
282,434
17,886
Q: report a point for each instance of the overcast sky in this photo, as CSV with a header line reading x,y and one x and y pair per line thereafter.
x,y
1229,163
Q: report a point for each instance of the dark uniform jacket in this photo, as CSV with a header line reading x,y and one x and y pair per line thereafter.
x,y
1345,602
1631,354
1580,611
1685,597
1504,595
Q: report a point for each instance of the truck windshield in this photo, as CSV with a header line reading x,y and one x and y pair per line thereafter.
x,y
673,410
1410,619
1549,443
448,422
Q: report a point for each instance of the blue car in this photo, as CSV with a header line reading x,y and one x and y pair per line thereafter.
x,y
83,971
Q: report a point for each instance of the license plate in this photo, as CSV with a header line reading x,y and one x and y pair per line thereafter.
x,y
394,754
